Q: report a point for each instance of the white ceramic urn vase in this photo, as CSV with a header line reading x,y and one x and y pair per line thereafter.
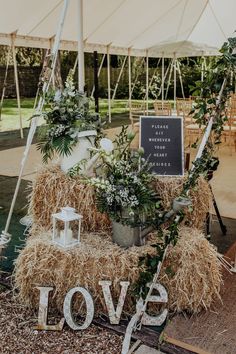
x,y
80,150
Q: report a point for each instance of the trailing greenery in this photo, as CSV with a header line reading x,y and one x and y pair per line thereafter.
x,y
214,94
149,263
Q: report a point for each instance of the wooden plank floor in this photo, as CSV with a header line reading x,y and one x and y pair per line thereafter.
x,y
213,331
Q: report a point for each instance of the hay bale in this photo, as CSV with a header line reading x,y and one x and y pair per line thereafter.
x,y
195,284
53,189
197,275
170,187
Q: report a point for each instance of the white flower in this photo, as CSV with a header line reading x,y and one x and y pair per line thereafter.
x,y
57,96
71,93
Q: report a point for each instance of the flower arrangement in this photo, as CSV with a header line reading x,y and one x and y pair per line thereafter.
x,y
67,114
124,190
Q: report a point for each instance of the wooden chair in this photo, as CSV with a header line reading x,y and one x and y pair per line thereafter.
x,y
184,107
229,132
233,96
137,110
192,133
191,130
162,108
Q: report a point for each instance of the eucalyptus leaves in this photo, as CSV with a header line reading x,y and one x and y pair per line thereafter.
x,y
67,114
123,187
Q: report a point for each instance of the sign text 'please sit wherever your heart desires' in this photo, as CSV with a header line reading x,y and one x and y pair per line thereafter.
x,y
162,141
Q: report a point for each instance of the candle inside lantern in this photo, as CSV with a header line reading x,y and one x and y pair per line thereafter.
x,y
69,236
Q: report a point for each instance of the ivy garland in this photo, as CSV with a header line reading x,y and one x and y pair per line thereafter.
x,y
214,94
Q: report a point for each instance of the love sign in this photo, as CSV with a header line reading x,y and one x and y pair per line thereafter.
x,y
114,314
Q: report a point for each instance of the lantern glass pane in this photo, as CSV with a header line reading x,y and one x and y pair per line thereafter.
x,y
58,230
75,232
72,232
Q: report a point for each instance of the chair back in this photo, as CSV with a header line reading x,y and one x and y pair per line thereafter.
x,y
162,108
137,110
184,107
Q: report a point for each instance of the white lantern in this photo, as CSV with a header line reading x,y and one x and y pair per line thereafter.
x,y
66,228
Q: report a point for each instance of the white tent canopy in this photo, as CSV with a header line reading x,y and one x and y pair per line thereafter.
x,y
182,49
122,24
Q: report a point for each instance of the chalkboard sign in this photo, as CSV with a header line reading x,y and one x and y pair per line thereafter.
x,y
162,140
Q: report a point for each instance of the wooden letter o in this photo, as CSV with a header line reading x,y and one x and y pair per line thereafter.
x,y
67,308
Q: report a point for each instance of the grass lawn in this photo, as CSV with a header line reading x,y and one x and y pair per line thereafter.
x,y
10,116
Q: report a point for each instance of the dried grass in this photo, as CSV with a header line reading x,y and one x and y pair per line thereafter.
x,y
194,286
197,272
53,189
170,187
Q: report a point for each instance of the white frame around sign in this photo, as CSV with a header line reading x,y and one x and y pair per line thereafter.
x,y
182,140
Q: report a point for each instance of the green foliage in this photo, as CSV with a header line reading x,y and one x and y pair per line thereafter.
x,y
124,190
29,56
67,114
149,263
24,56
214,91
77,168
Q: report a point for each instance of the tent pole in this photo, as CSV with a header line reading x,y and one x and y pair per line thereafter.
x,y
137,76
162,78
95,66
41,76
147,81
180,78
51,46
36,99
5,80
5,236
174,82
165,76
17,84
119,77
81,80
130,90
154,73
205,64
202,70
99,71
231,77
152,78
75,65
234,82
168,85
109,83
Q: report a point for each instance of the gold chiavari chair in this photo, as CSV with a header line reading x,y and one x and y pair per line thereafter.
x,y
229,132
192,131
137,110
162,108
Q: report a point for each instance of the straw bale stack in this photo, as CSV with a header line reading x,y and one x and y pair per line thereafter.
x,y
53,189
195,284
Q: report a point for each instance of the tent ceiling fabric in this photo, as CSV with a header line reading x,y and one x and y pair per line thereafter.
x,y
182,49
184,27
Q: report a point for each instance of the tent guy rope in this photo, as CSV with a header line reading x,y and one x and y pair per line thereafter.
x,y
6,236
